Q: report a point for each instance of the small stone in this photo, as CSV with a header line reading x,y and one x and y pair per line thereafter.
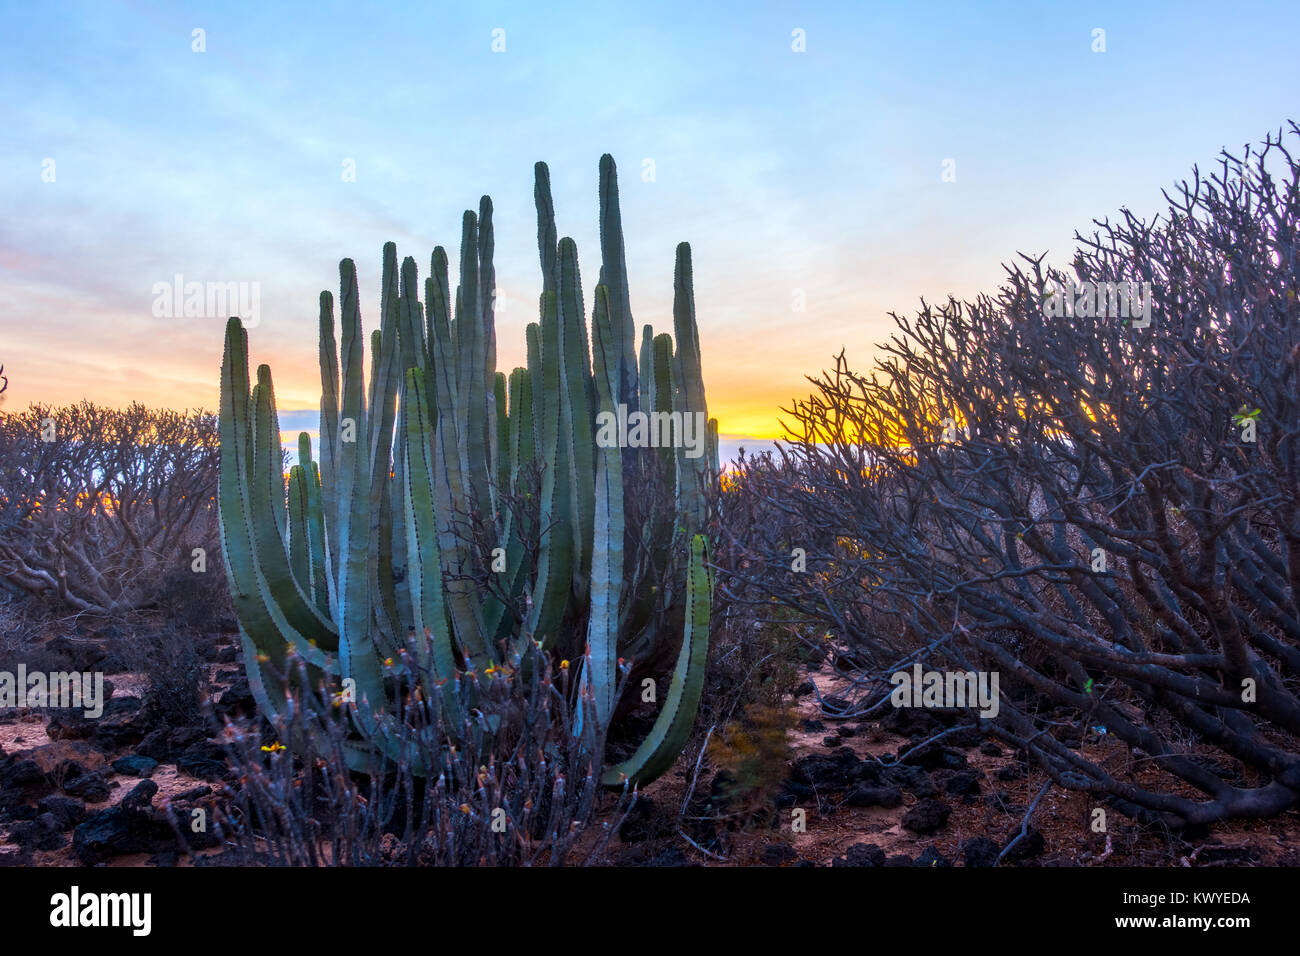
x,y
135,765
927,816
775,854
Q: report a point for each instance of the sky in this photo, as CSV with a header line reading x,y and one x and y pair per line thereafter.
x,y
828,162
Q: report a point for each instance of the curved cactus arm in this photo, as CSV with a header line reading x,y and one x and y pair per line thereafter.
x,y
411,354
533,339
259,614
664,389
252,606
320,580
437,300
522,449
613,275
329,432
645,369
299,547
501,455
555,553
357,656
546,234
384,383
600,675
500,618
576,415
691,472
272,555
423,559
268,459
452,493
471,375
487,290
673,726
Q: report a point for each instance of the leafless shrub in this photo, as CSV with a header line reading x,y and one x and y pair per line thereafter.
x,y
508,782
958,504
98,505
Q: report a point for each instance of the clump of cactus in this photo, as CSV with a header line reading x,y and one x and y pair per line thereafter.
x,y
465,521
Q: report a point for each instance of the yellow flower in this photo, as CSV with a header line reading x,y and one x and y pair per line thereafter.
x,y
564,665
388,662
274,748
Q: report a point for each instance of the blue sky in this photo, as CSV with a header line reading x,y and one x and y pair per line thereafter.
x,y
817,171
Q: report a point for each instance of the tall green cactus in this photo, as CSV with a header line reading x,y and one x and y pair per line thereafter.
x,y
426,476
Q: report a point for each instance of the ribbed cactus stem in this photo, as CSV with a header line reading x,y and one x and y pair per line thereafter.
x,y
434,463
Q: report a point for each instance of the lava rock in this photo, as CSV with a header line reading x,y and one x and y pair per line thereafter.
x,y
141,797
43,833
68,811
980,851
195,793
79,655
966,738
927,816
21,774
935,757
804,689
990,749
128,827
885,796
204,760
831,742
90,787
123,724
1031,845
812,726
166,743
793,794
155,745
775,854
861,854
910,721
962,783
846,731
932,857
912,779
135,765
828,772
